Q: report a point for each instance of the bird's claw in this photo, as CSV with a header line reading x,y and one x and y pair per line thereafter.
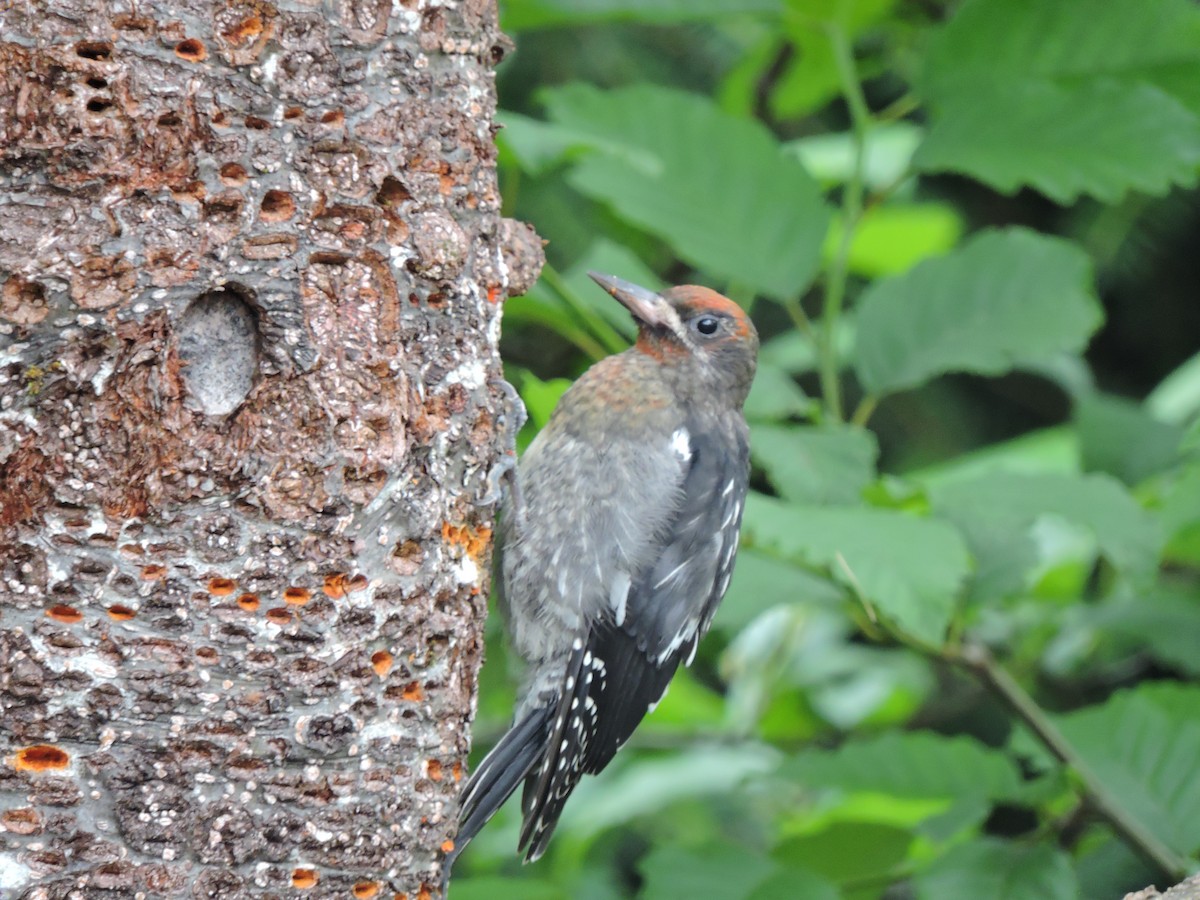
x,y
509,421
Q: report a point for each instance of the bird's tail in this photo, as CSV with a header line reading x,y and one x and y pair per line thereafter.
x,y
499,774
566,749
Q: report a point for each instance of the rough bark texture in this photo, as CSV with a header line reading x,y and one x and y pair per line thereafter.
x,y
1185,890
251,260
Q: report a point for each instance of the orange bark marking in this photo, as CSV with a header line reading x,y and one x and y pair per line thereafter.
x,y
381,661
221,587
41,758
297,596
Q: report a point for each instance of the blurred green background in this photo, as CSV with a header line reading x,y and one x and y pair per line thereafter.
x,y
958,658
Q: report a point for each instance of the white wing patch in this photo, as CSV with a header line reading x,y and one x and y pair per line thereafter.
x,y
618,596
681,444
734,512
686,633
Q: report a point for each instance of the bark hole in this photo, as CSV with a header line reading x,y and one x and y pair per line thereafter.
x,y
392,193
191,50
98,50
233,174
219,347
277,206
23,301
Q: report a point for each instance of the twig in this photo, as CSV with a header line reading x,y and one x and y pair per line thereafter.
x,y
866,406
977,661
852,206
980,663
600,329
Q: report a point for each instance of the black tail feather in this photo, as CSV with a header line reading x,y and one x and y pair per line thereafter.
x,y
498,776
548,787
608,686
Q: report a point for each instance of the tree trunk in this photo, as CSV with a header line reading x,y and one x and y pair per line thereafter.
x,y
250,262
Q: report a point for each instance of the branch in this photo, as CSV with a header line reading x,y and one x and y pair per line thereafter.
x,y
976,660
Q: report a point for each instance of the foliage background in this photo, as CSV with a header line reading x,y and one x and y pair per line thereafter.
x,y
958,658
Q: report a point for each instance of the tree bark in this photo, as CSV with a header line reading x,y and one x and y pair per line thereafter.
x,y
1185,890
251,259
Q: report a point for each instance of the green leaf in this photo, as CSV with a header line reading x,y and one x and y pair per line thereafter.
x,y
718,189
1067,370
888,151
809,77
848,852
541,307
774,395
498,888
535,146
1122,438
963,816
1179,508
910,568
999,513
992,869
821,465
527,15
637,786
1043,452
893,238
1075,96
1067,39
1003,299
1102,139
714,872
802,645
550,204
611,259
756,587
915,764
1161,624
541,397
1105,862
794,352
1177,397
1143,745
792,883
852,686
688,707
1191,439
1176,699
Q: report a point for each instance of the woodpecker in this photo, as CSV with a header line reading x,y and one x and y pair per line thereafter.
x,y
632,499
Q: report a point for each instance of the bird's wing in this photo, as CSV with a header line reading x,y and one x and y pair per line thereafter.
x,y
653,620
596,511
671,603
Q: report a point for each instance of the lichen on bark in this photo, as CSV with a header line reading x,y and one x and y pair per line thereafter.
x,y
251,265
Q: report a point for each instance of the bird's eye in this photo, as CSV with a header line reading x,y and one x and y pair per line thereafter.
x,y
706,325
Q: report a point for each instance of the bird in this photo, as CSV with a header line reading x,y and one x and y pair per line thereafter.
x,y
620,547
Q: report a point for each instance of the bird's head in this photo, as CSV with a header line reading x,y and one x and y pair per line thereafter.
x,y
705,336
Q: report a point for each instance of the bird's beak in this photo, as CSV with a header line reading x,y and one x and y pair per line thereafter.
x,y
645,305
